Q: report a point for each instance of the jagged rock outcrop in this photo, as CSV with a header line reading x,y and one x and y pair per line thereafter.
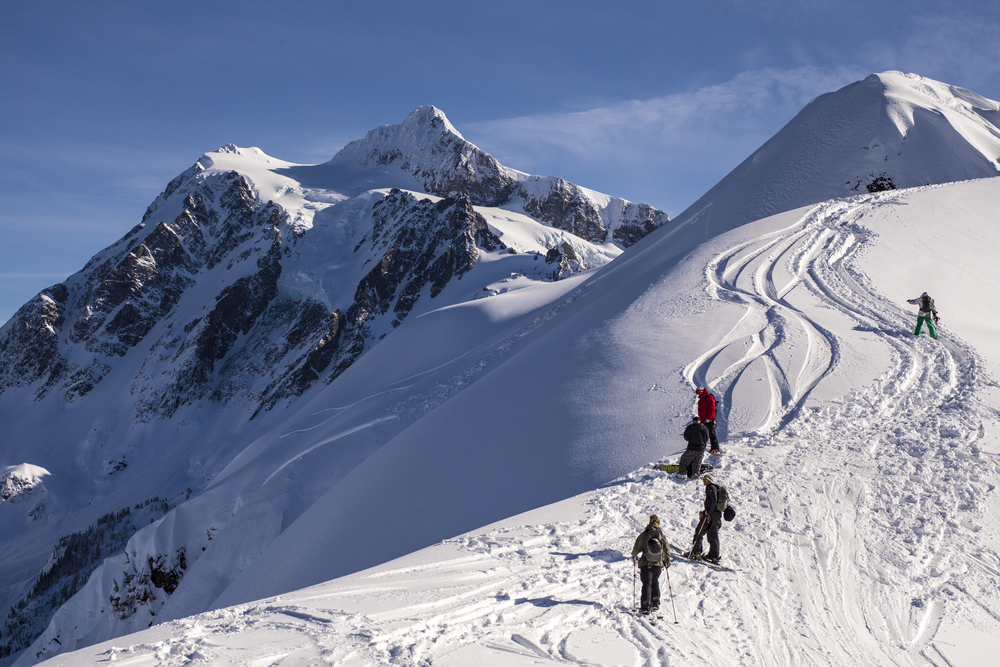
x,y
29,347
422,245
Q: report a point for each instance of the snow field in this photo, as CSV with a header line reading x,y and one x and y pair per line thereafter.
x,y
862,462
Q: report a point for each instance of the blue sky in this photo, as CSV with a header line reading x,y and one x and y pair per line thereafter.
x,y
104,102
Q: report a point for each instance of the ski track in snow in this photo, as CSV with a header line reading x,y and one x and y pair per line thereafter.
x,y
891,548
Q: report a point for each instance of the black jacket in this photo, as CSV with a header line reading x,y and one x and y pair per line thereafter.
x,y
696,436
711,498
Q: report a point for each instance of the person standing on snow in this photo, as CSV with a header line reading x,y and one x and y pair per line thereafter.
x,y
710,520
655,550
706,412
927,314
697,438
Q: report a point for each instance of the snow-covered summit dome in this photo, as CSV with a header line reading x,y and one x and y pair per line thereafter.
x,y
888,131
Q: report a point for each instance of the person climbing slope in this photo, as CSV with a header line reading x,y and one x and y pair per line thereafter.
x,y
655,550
927,313
706,412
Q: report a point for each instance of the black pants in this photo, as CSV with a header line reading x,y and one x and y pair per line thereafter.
x,y
712,437
649,575
711,531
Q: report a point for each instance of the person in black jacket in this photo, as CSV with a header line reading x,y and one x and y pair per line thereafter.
x,y
710,520
655,550
697,438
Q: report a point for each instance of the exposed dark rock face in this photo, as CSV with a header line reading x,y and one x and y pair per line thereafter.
x,y
423,245
29,348
564,261
880,183
565,207
638,221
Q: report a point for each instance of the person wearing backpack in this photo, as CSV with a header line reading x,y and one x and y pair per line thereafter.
x,y
697,439
927,314
710,520
706,413
655,550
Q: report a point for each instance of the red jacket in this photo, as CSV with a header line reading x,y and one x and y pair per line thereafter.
x,y
706,405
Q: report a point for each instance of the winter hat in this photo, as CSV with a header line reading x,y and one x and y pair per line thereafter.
x,y
700,390
696,419
709,479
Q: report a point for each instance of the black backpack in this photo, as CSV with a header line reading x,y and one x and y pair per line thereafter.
x,y
926,303
654,548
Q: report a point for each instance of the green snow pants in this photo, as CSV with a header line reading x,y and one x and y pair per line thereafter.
x,y
930,326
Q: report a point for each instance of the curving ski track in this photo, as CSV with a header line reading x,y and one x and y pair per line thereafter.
x,y
857,523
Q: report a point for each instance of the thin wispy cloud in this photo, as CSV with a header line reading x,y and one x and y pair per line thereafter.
x,y
753,104
668,150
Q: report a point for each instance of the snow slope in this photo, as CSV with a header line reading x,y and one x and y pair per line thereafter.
x,y
863,462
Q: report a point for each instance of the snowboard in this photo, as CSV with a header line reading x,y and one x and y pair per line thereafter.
x,y
675,468
714,566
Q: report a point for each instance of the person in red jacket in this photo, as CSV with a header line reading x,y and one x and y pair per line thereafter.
x,y
706,412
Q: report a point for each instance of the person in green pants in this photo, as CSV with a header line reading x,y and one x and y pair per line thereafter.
x,y
926,314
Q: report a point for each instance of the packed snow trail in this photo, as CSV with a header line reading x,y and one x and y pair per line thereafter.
x,y
860,510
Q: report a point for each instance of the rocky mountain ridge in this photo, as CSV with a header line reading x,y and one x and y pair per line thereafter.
x,y
223,254
427,146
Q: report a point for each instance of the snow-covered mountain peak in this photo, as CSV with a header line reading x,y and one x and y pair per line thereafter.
x,y
890,130
426,132
427,146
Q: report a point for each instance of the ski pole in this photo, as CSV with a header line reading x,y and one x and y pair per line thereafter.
x,y
697,531
633,584
671,589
